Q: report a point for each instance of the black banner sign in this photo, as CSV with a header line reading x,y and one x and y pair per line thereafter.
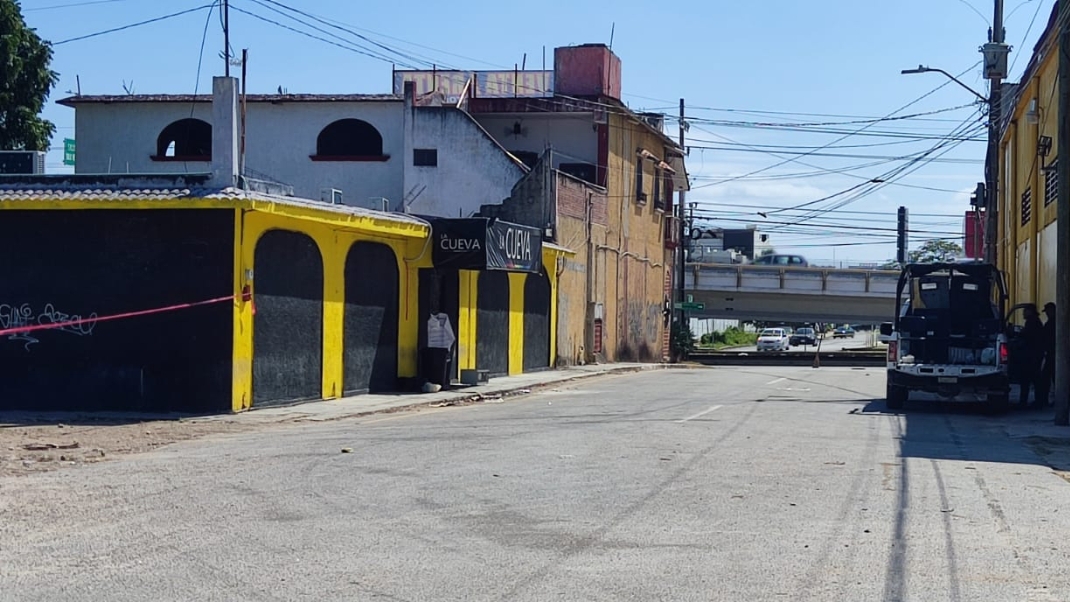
x,y
481,243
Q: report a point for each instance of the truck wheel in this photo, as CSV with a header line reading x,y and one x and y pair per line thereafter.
x,y
896,397
997,403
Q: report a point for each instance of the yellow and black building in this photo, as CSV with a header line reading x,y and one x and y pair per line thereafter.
x,y
165,294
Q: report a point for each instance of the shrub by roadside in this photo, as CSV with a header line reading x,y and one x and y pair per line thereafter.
x,y
730,337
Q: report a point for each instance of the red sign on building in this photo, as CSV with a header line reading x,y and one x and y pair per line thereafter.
x,y
974,231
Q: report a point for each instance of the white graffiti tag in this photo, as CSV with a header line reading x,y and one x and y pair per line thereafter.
x,y
22,316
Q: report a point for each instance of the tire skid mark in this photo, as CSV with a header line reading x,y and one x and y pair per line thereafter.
x,y
954,585
999,517
895,575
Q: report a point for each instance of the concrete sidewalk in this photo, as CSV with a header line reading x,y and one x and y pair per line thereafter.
x,y
1036,429
359,405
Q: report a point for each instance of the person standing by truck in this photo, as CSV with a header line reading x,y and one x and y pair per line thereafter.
x,y
1046,377
1032,338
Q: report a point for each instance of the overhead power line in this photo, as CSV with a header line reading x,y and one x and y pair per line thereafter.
x,y
855,121
288,12
70,5
345,46
133,25
835,155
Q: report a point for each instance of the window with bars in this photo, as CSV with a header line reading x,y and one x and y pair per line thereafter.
x,y
1027,206
640,194
1051,183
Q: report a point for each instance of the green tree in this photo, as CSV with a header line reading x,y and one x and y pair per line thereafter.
x,y
683,340
935,251
25,82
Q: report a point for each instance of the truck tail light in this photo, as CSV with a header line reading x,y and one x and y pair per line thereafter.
x,y
893,350
1004,353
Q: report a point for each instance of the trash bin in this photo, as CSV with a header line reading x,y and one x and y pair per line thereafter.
x,y
436,366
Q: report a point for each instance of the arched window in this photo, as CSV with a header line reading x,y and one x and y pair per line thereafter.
x,y
185,140
349,140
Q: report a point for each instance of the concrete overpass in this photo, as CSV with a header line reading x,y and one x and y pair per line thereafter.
x,y
759,292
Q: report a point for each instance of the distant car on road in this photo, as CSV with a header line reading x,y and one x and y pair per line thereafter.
x,y
794,261
773,339
803,336
843,332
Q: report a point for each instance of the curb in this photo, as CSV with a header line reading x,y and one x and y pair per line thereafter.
x,y
464,399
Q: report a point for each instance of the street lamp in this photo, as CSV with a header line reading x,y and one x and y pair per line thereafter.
x,y
924,69
992,157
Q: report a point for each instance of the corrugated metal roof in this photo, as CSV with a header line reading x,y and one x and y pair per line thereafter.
x,y
19,192
72,101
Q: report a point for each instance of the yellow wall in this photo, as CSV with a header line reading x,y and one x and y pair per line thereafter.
x,y
467,327
634,259
516,322
571,293
554,261
1027,250
333,244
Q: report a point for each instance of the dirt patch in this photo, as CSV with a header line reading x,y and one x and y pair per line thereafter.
x,y
29,448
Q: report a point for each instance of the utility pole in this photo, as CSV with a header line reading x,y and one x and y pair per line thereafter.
x,y
995,70
1062,228
226,37
682,195
244,108
901,241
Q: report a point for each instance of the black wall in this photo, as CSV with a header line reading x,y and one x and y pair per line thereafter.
x,y
76,263
536,322
492,323
440,292
288,326
371,319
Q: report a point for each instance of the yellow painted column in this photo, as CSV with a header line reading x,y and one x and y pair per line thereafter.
x,y
516,322
242,348
1037,184
468,285
408,314
1011,215
549,263
334,297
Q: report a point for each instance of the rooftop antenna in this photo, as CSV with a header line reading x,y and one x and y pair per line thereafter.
x,y
612,30
524,62
78,86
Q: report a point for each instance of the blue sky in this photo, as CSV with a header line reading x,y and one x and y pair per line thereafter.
x,y
744,69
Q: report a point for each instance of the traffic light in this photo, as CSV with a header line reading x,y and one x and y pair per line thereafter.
x,y
977,199
901,236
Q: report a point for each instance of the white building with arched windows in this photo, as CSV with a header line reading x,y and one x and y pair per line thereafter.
x,y
367,150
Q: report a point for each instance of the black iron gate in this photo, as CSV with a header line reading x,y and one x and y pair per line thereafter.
x,y
288,326
492,323
371,319
536,322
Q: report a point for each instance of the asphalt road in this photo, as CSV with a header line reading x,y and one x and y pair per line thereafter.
x,y
778,484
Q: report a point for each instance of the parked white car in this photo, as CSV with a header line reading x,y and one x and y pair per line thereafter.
x,y
773,339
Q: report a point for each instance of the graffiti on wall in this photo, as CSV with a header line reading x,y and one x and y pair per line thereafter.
x,y
22,315
642,322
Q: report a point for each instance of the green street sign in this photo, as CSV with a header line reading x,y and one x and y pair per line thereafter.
x,y
691,306
68,151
